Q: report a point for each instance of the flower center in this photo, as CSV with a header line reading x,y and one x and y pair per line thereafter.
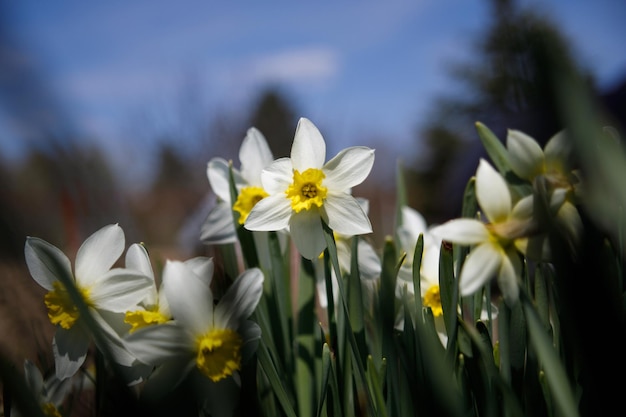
x,y
246,200
61,309
143,318
219,353
50,410
432,299
307,189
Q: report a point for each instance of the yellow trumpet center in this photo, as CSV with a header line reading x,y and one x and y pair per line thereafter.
x,y
307,189
432,299
219,353
246,200
61,309
143,318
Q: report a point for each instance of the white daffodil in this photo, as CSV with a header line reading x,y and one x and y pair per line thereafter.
x,y
154,308
254,155
553,163
368,261
494,252
49,392
212,338
414,224
304,191
102,287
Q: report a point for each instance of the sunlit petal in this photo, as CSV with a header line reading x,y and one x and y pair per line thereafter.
x,y
277,176
345,215
308,149
481,265
98,253
492,193
120,290
348,168
462,231
254,155
270,214
190,299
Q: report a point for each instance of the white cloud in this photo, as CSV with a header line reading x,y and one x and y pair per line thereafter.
x,y
311,65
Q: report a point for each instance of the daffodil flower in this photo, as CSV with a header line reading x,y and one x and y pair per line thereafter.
x,y
254,155
304,191
414,224
49,392
154,308
494,251
206,337
102,287
553,163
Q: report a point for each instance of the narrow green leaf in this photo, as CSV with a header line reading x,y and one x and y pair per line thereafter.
x,y
267,365
555,374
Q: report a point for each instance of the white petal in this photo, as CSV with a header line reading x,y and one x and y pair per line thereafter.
x,y
345,215
137,258
525,154
270,214
120,290
414,221
218,173
277,177
202,267
308,149
348,168
558,149
98,254
113,343
508,276
524,208
492,193
482,264
190,300
254,155
240,299
462,231
369,263
307,233
219,226
156,344
42,268
70,350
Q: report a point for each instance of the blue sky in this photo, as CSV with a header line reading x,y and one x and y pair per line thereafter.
x,y
359,70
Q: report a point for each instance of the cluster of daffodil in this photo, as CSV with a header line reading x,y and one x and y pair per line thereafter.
x,y
331,325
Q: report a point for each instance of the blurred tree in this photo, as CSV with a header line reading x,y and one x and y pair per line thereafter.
x,y
274,116
161,211
507,86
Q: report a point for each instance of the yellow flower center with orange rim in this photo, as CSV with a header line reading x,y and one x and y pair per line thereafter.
x,y
219,353
246,200
307,190
61,308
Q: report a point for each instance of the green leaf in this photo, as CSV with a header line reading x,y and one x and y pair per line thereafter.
x,y
555,374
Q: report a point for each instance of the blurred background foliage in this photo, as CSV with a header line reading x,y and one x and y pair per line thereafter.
x,y
65,188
